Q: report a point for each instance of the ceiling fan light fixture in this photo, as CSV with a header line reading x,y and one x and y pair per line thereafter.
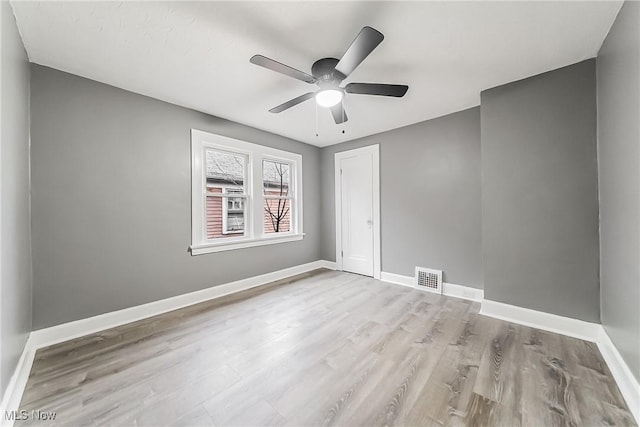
x,y
329,97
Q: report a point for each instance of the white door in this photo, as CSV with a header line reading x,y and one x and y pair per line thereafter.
x,y
357,187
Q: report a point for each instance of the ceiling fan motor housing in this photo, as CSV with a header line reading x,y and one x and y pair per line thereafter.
x,y
325,71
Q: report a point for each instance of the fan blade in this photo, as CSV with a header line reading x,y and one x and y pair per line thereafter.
x,y
376,89
364,43
278,67
339,115
295,101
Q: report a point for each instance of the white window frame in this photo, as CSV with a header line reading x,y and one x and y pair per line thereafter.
x,y
254,190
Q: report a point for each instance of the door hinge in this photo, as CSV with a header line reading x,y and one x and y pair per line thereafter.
x,y
340,171
342,254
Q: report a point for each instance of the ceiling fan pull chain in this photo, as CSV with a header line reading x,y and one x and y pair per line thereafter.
x,y
316,119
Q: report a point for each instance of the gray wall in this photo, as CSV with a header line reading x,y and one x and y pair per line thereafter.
x,y
618,73
111,200
15,260
429,197
540,193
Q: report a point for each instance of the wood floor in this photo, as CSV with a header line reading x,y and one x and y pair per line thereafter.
x,y
328,348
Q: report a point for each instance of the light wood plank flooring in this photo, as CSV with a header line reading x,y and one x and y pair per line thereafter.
x,y
327,348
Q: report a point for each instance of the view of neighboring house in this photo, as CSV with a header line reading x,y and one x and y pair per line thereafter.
x,y
226,195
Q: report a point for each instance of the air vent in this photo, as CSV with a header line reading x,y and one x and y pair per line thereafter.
x,y
428,279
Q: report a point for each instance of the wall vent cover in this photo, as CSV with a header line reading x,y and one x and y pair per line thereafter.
x,y
428,279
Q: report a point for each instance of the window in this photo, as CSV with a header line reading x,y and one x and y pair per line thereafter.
x,y
243,194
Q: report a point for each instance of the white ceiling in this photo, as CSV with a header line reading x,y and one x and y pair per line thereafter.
x,y
196,54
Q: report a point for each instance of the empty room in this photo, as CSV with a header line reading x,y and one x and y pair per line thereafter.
x,y
299,213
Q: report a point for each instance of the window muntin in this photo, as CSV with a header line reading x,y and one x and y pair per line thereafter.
x,y
243,194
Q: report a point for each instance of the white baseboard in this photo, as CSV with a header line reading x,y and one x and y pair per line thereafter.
x,y
627,382
448,289
329,265
464,292
13,394
397,279
537,319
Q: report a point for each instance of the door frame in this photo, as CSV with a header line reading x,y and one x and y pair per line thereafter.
x,y
374,150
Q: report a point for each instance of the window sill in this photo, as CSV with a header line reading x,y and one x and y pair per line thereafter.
x,y
207,248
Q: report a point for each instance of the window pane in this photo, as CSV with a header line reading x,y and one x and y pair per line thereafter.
x,y
225,216
277,215
234,204
275,178
235,223
225,169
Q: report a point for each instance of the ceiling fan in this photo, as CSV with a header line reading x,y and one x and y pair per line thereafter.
x,y
328,73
